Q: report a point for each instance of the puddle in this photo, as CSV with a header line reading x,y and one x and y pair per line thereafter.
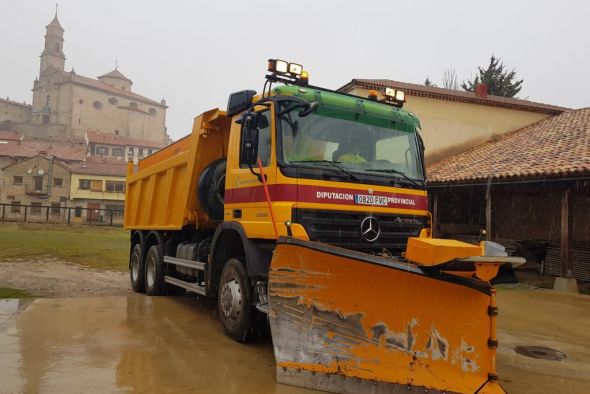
x,y
176,344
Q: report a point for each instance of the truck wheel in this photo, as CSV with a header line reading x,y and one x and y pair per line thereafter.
x,y
211,189
137,269
233,301
154,272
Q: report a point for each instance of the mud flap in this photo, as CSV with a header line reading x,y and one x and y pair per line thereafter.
x,y
349,322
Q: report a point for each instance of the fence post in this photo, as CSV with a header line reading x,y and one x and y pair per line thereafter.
x,y
3,210
111,218
47,216
89,217
26,213
69,213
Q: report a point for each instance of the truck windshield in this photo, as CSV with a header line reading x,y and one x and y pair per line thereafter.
x,y
367,146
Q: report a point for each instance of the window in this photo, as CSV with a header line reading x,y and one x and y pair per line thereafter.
x,y
97,105
118,152
63,199
45,119
115,187
149,152
130,151
17,180
113,101
84,184
80,101
139,151
55,208
261,143
96,185
133,105
38,183
116,209
35,207
58,182
152,111
78,212
10,198
101,150
15,207
56,47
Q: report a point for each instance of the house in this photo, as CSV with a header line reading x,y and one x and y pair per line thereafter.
x,y
115,147
97,190
530,186
36,188
453,121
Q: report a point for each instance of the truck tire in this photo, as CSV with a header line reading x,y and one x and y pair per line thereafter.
x,y
154,272
233,301
211,189
137,269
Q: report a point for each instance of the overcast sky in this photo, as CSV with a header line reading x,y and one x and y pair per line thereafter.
x,y
194,53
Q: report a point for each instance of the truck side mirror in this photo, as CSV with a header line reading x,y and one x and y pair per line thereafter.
x,y
250,121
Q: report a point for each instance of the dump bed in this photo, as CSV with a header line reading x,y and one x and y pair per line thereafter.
x,y
161,192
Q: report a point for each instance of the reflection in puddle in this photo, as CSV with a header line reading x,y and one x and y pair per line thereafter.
x,y
176,344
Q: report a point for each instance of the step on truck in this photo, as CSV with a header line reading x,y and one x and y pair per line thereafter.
x,y
305,210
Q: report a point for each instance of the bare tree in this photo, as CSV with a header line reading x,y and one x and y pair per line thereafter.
x,y
449,80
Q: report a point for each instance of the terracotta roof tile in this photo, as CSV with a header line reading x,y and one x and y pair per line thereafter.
x,y
115,74
10,136
68,151
455,95
555,146
112,139
100,166
95,83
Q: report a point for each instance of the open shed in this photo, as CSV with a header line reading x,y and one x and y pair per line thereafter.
x,y
528,189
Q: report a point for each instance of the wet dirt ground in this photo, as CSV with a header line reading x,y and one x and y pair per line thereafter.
x,y
175,345
52,277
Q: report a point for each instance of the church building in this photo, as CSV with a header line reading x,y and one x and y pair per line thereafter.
x,y
67,105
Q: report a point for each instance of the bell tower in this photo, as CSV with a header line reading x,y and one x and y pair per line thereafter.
x,y
52,57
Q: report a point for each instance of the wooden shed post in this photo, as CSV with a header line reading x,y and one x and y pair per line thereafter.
x,y
566,234
489,213
434,215
566,282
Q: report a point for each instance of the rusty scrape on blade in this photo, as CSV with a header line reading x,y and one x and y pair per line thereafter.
x,y
346,323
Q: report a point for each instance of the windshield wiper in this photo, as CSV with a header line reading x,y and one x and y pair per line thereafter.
x,y
331,162
394,171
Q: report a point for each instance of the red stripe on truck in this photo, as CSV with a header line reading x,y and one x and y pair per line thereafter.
x,y
325,195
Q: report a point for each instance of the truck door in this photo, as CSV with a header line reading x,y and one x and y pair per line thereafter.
x,y
245,200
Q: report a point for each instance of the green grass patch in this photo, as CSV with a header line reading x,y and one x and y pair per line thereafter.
x,y
96,247
6,292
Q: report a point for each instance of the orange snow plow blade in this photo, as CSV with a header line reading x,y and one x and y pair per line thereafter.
x,y
349,322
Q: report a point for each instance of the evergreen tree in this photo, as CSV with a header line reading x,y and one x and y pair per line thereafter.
x,y
428,82
500,81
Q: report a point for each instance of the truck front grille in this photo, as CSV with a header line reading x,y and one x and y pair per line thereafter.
x,y
343,229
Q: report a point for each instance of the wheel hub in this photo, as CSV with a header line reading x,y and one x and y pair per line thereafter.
x,y
231,299
151,272
135,268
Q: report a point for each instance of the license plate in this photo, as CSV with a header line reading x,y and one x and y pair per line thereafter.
x,y
364,199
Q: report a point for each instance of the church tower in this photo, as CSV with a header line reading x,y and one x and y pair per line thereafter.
x,y
52,57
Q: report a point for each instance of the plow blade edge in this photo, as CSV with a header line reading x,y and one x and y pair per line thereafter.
x,y
349,322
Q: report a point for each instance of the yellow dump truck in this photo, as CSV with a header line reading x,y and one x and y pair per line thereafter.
x,y
308,208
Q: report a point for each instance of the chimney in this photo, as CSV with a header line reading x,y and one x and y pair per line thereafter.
x,y
481,90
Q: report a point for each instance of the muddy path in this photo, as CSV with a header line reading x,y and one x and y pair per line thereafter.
x,y
52,277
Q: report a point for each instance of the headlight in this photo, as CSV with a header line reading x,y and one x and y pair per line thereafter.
x,y
295,68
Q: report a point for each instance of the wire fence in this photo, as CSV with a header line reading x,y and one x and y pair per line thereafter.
x,y
60,215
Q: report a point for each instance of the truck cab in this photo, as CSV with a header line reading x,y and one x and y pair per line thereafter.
x,y
347,173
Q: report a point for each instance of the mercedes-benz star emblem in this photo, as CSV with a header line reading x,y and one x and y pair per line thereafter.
x,y
370,229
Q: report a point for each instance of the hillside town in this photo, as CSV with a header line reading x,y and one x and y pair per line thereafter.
x,y
63,158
